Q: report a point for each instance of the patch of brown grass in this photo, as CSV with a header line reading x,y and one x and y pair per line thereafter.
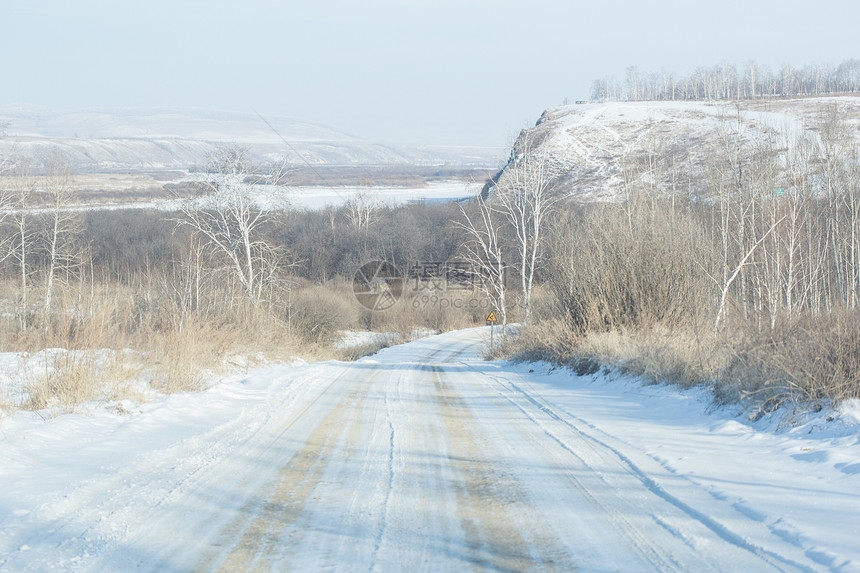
x,y
72,378
807,360
352,353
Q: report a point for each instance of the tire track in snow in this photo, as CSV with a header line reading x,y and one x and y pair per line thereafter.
x,y
234,531
771,558
296,482
396,466
648,552
118,519
484,496
588,488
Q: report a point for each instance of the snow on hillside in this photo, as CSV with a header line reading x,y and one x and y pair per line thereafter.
x,y
161,123
176,138
592,141
88,155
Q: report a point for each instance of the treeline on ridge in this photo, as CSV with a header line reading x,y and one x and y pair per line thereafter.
x,y
726,82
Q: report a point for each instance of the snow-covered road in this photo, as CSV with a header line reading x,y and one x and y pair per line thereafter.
x,y
425,457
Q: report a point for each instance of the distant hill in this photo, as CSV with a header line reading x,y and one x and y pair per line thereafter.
x,y
597,145
179,138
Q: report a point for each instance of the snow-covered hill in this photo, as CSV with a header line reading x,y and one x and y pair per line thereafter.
x,y
179,138
596,143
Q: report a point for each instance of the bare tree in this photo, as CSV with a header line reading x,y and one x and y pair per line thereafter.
x,y
484,252
6,201
723,82
232,224
7,165
61,229
728,283
633,82
24,186
522,195
361,211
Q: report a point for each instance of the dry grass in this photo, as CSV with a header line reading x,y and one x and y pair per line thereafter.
x,y
809,360
352,353
685,357
180,345
72,378
436,310
317,314
179,360
180,349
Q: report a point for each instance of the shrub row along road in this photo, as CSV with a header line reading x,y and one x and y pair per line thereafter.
x,y
422,457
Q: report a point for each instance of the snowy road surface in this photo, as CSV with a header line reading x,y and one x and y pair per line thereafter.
x,y
424,457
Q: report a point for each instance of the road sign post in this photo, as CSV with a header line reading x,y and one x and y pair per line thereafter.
x,y
492,320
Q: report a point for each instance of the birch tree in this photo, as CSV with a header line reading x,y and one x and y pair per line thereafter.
x,y
24,186
484,252
7,166
522,195
6,202
362,211
233,223
60,230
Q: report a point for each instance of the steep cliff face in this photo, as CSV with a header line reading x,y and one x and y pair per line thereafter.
x,y
602,150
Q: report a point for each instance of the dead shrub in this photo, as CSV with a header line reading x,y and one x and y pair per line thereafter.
x,y
550,340
317,314
809,359
612,271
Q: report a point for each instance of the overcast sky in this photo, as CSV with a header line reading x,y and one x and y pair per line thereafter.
x,y
394,71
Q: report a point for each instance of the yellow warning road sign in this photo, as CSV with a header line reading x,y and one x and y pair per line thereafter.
x,y
492,317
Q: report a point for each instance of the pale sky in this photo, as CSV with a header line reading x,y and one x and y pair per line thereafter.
x,y
402,72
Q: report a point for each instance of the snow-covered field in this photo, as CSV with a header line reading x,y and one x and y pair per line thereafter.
x,y
278,198
319,197
425,457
